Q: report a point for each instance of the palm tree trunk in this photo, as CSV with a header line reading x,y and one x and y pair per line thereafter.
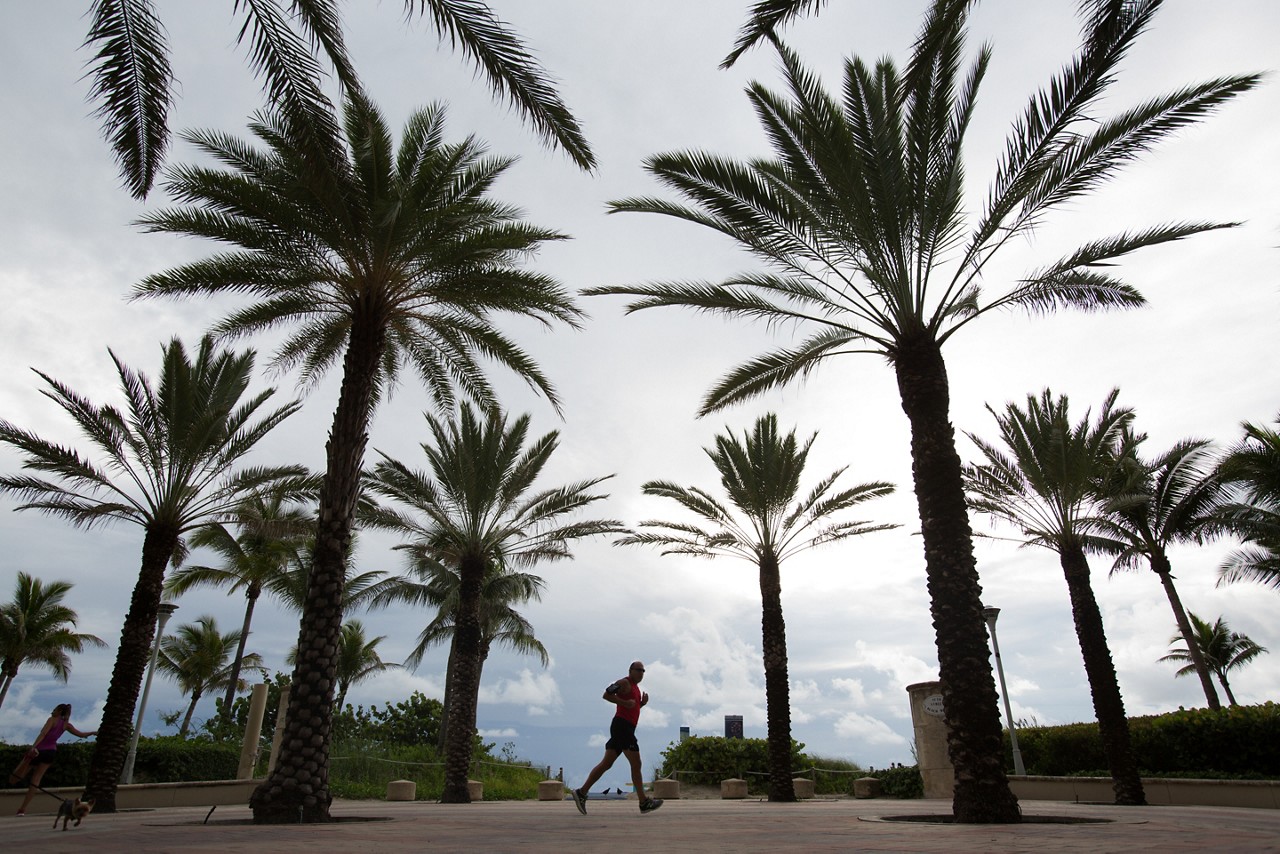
x,y
5,681
1108,705
1226,686
1160,563
116,730
251,594
448,693
466,682
972,715
191,710
298,789
777,691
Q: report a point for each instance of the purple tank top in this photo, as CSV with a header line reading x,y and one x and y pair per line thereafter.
x,y
50,740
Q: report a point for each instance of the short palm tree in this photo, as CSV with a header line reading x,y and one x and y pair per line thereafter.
x,y
200,658
133,79
475,507
255,547
435,585
38,630
1045,481
1171,499
377,259
166,463
1219,647
860,215
765,521
1251,469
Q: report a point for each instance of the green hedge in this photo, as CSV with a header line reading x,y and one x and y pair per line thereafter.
x,y
1233,742
159,760
706,760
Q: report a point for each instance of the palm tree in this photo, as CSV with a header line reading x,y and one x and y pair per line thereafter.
x,y
266,524
435,585
761,476
134,87
1219,647
37,629
1252,470
1046,482
166,465
380,260
861,216
196,656
472,509
358,658
1171,499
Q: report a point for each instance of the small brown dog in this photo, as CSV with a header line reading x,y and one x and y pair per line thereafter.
x,y
68,810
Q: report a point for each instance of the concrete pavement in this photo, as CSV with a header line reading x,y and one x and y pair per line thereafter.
x,y
681,825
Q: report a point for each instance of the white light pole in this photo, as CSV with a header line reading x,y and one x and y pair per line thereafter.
x,y
1018,768
163,612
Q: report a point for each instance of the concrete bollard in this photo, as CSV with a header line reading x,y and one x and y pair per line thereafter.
x,y
733,788
551,790
475,790
866,787
804,788
668,790
402,790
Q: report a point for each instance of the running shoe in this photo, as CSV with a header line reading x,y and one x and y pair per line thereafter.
x,y
579,800
650,804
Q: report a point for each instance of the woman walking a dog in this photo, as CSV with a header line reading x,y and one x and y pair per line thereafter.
x,y
42,754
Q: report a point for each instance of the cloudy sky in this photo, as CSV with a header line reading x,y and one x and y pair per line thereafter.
x,y
643,78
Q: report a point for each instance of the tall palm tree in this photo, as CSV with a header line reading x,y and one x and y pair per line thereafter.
x,y
166,463
1171,499
436,585
133,81
196,656
255,546
769,522
358,658
1219,647
1252,469
860,215
1045,480
381,260
37,629
474,507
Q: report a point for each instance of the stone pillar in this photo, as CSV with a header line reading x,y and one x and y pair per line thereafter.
x,y
551,790
866,787
733,788
252,732
402,790
931,739
475,790
279,733
667,789
804,788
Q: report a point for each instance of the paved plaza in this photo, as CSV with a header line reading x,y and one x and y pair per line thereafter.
x,y
681,825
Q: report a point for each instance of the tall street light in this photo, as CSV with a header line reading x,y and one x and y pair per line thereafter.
x,y
163,612
1018,768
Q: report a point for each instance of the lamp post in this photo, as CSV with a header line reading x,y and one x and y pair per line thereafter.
x,y
163,612
990,614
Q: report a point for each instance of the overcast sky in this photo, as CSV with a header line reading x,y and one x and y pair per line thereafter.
x,y
642,78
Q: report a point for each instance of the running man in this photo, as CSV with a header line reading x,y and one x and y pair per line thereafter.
x,y
627,696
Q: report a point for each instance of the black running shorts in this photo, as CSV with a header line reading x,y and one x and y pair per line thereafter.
x,y
622,736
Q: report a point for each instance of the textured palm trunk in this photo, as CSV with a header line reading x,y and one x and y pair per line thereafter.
x,y
251,594
777,691
448,692
116,730
972,715
6,679
1160,563
298,789
191,710
1226,686
466,682
1108,705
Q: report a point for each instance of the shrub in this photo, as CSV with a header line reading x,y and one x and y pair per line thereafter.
x,y
1233,742
706,760
167,759
904,781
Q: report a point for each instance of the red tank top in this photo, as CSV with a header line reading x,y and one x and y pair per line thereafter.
x,y
631,715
